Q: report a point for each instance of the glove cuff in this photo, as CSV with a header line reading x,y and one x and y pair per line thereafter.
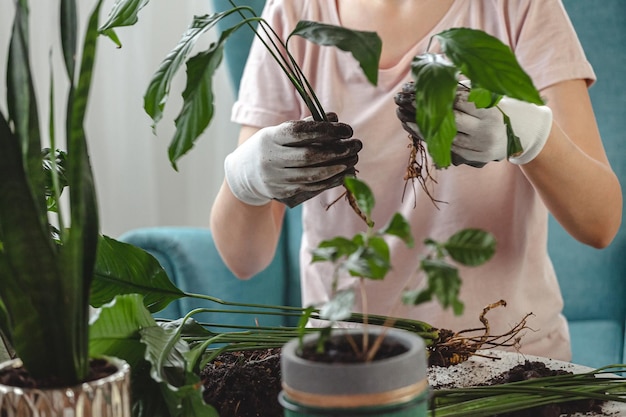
x,y
531,123
242,183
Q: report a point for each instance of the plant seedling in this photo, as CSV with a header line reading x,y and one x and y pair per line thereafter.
x,y
367,256
493,71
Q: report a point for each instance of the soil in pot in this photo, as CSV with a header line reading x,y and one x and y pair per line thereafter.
x,y
19,377
247,384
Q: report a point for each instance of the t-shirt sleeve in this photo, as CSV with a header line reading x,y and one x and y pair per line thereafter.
x,y
546,44
266,96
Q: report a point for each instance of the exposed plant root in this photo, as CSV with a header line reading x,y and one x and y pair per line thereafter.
x,y
451,348
418,170
348,195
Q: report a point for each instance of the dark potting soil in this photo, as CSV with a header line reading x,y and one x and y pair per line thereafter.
x,y
20,377
244,384
247,384
338,350
530,370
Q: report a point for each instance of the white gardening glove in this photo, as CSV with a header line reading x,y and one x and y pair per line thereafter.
x,y
481,133
292,162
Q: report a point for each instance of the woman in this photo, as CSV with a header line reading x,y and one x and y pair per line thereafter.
x,y
565,171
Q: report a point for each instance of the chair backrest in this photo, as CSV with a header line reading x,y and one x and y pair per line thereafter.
x,y
594,281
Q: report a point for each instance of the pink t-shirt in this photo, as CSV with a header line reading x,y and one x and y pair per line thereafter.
x,y
497,198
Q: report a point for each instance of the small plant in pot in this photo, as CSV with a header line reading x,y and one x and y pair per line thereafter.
x,y
372,369
46,271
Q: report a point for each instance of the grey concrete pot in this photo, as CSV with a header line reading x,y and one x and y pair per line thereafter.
x,y
105,397
395,386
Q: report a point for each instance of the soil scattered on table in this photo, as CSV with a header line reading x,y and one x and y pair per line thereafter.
x,y
247,384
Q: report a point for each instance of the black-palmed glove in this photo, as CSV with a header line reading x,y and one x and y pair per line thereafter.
x,y
481,133
292,162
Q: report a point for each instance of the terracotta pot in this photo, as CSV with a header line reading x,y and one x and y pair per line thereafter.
x,y
396,386
104,397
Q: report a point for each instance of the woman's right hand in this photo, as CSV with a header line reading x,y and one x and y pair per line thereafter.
x,y
292,162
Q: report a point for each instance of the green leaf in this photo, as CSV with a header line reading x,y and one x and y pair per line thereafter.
x,y
339,307
123,13
362,194
125,269
197,110
488,62
471,247
444,283
77,256
115,329
365,47
398,226
483,98
158,90
333,249
371,260
513,143
435,91
68,25
168,356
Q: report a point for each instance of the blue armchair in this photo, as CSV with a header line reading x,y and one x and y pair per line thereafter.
x,y
594,282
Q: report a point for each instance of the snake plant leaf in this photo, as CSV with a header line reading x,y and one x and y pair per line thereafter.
x,y
69,33
30,290
435,91
488,62
471,247
364,46
122,268
22,104
78,252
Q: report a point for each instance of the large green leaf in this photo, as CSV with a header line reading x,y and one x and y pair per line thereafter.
x,y
435,91
125,269
32,287
115,331
365,47
78,253
471,247
197,110
488,62
158,90
123,13
68,24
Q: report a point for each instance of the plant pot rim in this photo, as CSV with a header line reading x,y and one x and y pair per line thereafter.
x,y
395,377
123,369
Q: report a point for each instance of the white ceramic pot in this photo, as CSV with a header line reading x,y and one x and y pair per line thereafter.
x,y
105,397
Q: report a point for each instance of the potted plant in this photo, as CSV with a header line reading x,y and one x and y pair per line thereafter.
x,y
47,269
